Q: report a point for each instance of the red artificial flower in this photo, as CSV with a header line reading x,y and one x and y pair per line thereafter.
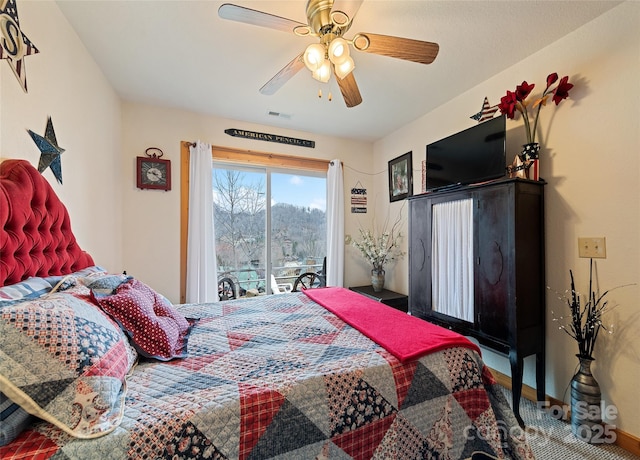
x,y
562,90
517,101
507,104
523,90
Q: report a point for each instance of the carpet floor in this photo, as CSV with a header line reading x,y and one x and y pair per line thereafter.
x,y
552,439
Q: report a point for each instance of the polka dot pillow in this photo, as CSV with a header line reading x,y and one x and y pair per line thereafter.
x,y
155,327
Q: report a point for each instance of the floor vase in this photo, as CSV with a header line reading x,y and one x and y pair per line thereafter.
x,y
586,422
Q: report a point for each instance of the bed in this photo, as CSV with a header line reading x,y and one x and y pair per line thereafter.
x,y
99,365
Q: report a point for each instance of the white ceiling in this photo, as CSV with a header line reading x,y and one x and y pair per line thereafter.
x,y
181,54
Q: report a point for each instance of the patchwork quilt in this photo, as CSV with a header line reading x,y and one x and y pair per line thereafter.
x,y
282,377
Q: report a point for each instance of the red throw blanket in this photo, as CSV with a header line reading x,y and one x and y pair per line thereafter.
x,y
404,336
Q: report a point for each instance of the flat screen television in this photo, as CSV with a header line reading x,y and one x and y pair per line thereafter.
x,y
476,154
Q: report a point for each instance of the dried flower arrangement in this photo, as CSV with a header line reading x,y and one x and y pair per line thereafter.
x,y
379,248
586,320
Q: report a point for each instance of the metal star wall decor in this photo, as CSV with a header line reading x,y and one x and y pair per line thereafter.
x,y
14,44
49,151
487,111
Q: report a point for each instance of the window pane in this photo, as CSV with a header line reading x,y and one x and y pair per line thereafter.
x,y
298,224
240,216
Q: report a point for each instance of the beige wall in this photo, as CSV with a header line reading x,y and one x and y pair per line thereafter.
x,y
590,159
65,83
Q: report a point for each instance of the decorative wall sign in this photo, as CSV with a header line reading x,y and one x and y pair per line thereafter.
x,y
358,200
49,151
15,44
270,138
487,111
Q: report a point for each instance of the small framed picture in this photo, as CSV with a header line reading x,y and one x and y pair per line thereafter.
x,y
400,177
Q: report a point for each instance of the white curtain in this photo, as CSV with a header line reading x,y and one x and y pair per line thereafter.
x,y
452,259
202,270
335,225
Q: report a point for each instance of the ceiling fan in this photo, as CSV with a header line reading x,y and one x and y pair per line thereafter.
x,y
329,20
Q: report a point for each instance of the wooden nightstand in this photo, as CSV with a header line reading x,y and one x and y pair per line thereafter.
x,y
393,299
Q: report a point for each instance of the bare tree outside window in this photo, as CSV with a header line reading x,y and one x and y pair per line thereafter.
x,y
239,199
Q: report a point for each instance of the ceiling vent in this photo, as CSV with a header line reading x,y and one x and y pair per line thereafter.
x,y
286,116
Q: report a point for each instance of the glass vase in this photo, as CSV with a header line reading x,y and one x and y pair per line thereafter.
x,y
377,280
586,421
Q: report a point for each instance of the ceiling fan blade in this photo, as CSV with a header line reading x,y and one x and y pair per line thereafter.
x,y
349,90
283,76
257,18
349,7
397,47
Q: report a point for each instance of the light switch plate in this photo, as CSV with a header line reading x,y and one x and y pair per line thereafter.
x,y
592,247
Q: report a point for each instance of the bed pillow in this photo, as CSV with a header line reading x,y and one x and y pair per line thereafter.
x,y
65,361
30,288
13,420
107,284
155,327
89,272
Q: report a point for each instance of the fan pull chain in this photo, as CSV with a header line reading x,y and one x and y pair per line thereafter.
x,y
329,97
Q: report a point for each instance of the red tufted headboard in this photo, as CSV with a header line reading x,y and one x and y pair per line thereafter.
x,y
36,237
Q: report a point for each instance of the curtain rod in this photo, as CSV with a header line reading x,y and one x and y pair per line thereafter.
x,y
193,144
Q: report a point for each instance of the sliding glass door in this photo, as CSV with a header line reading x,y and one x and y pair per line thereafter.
x,y
270,226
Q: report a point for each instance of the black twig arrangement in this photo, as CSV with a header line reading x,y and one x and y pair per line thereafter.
x,y
586,321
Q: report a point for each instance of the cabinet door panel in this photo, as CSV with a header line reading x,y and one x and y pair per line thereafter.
x,y
420,257
493,262
452,287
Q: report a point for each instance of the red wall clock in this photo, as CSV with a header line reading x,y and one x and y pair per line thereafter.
x,y
152,172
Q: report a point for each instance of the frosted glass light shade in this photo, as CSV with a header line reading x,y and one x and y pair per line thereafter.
x,y
314,56
338,51
344,69
323,74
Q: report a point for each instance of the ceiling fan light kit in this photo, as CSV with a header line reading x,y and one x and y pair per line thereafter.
x,y
329,20
318,59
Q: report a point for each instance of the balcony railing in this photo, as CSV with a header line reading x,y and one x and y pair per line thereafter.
x,y
254,278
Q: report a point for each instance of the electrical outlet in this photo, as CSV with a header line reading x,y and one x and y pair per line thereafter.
x,y
592,247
